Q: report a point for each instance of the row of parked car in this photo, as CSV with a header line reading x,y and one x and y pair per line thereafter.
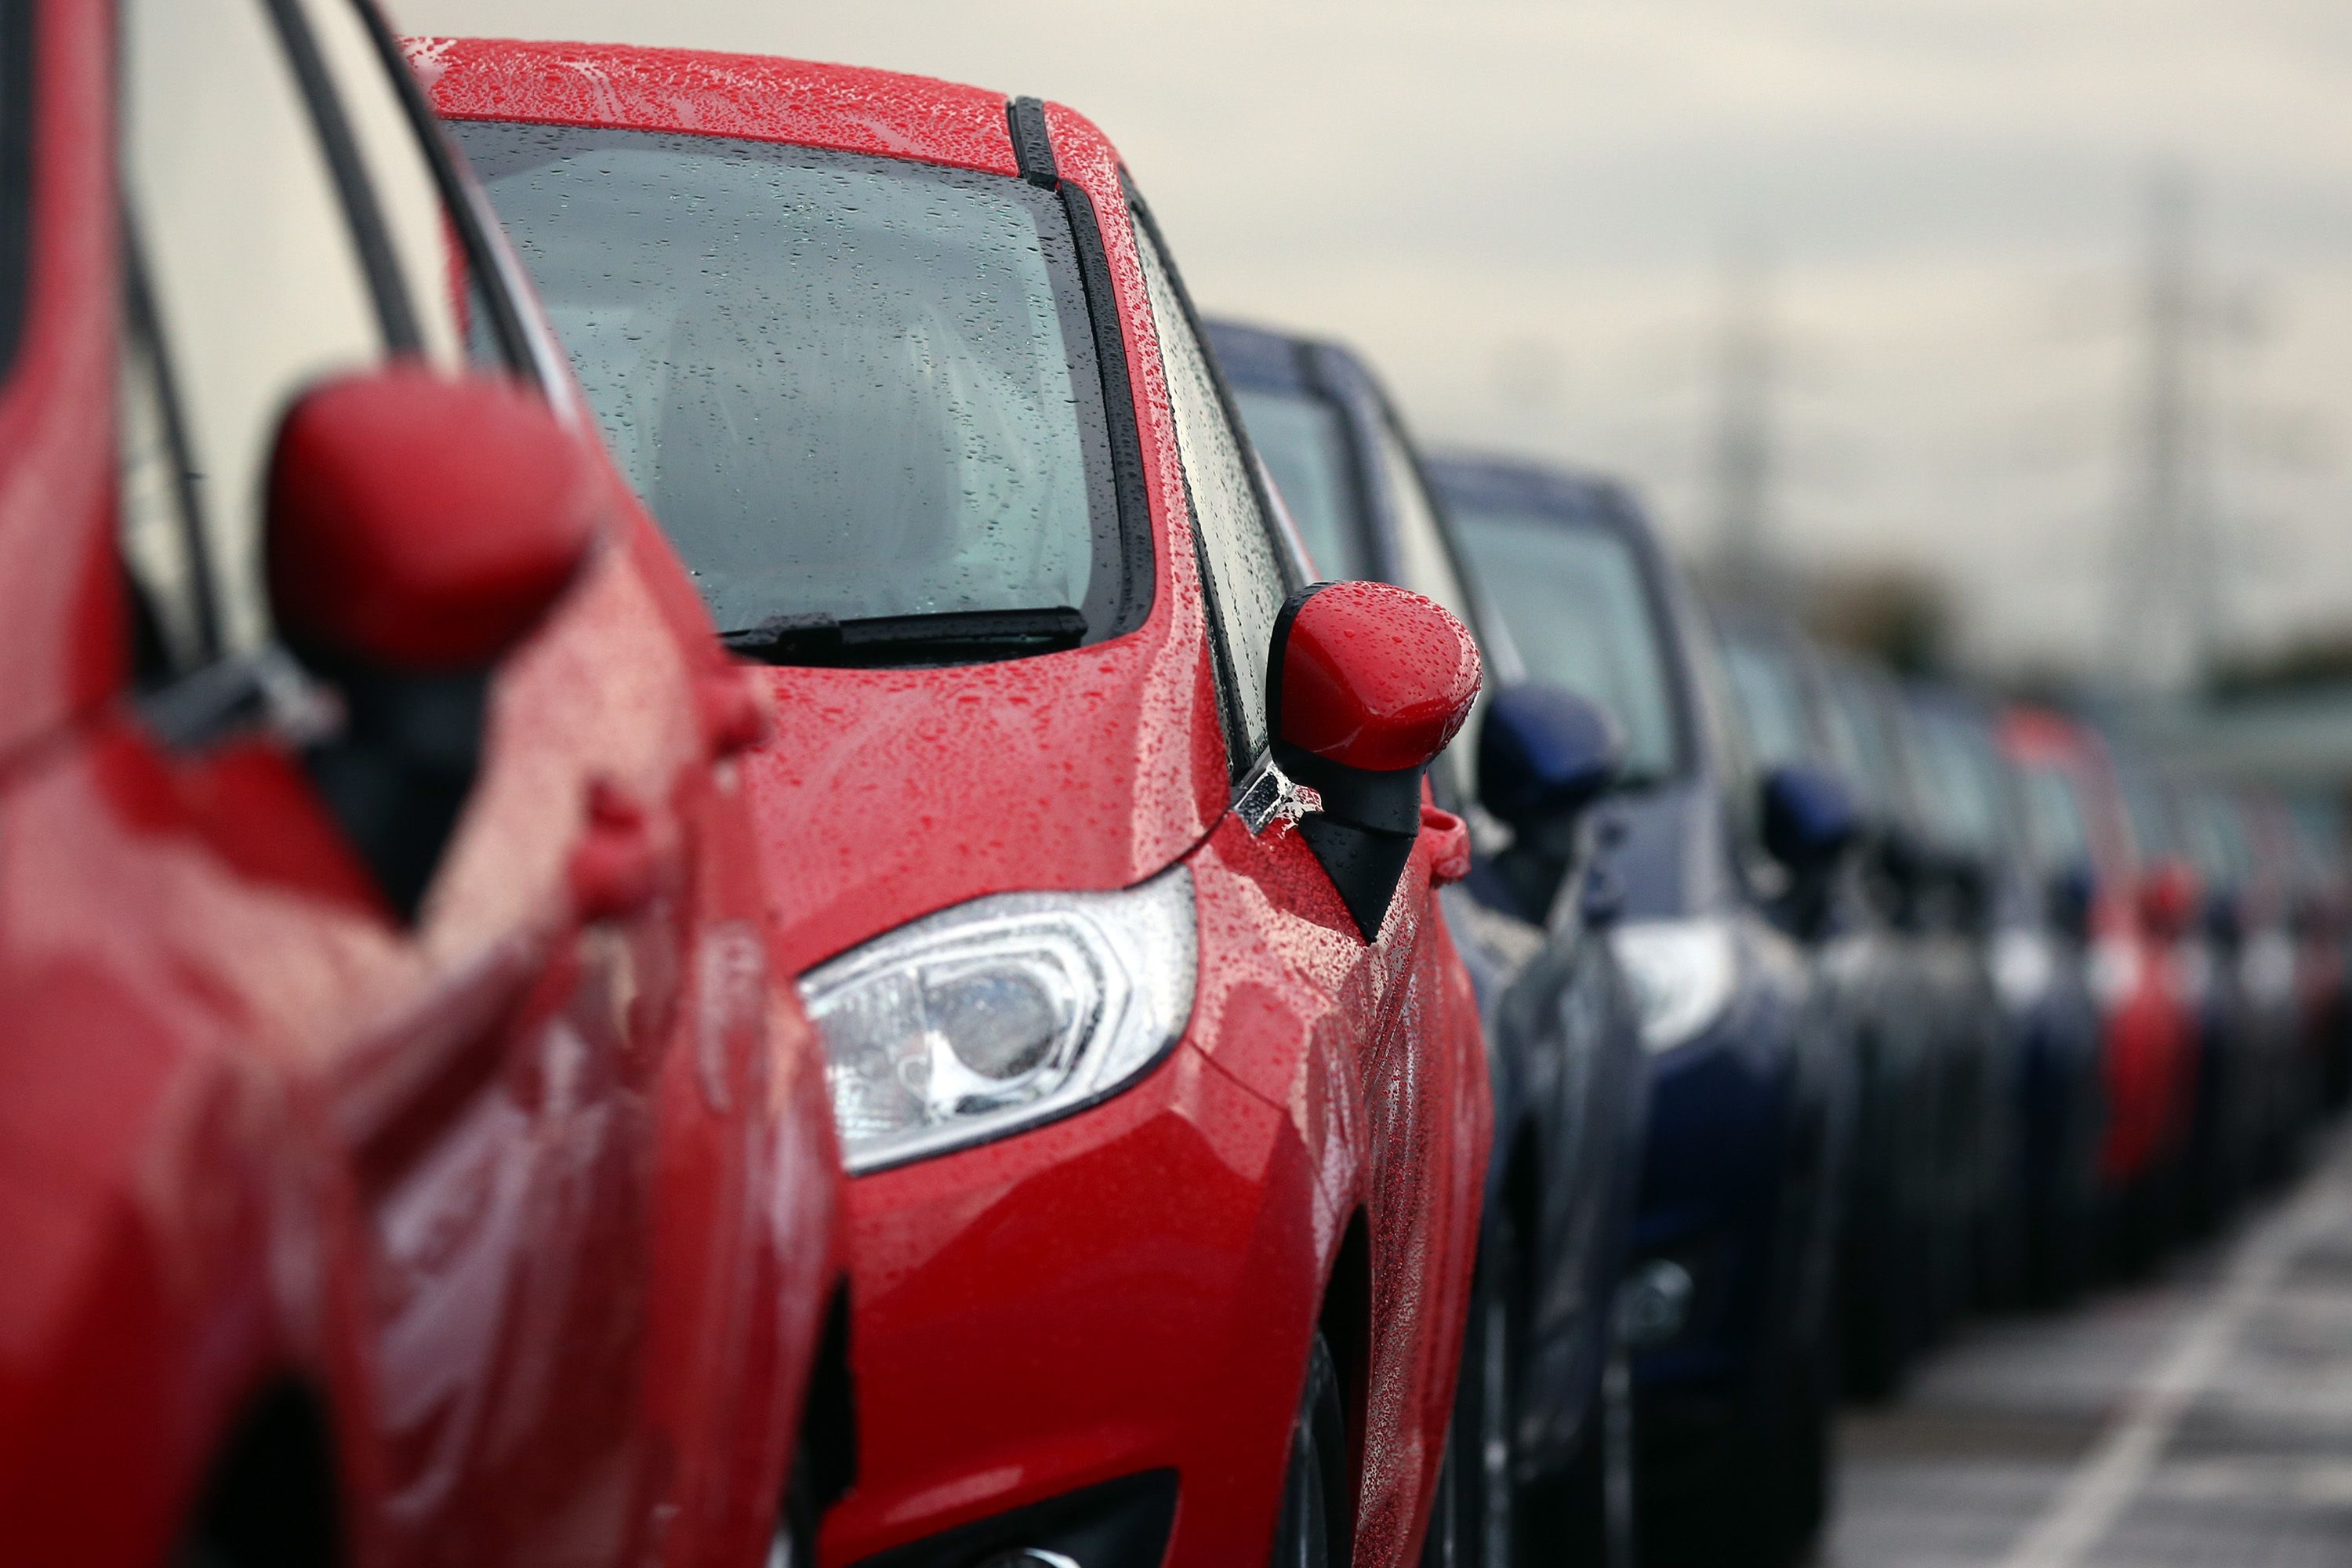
x,y
718,847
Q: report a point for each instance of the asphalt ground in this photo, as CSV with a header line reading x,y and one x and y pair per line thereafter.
x,y
2203,1417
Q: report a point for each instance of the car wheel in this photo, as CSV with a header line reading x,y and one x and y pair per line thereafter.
x,y
1767,1493
1312,1531
1472,1523
1584,1518
1800,1457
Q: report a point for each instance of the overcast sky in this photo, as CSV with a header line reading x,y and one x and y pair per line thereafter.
x,y
1524,212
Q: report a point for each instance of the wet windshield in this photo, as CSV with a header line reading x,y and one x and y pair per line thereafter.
x,y
1305,446
1573,600
850,388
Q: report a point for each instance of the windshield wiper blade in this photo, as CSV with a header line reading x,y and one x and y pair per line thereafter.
x,y
950,636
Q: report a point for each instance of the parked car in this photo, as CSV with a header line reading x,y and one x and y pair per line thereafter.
x,y
2041,954
1108,870
2259,880
2152,1004
1953,994
1533,1462
1787,696
408,1152
2324,925
1734,1240
2037,1145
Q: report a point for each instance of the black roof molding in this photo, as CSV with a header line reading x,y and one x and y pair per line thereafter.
x,y
1033,144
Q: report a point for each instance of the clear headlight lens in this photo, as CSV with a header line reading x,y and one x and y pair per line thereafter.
x,y
2113,971
2024,967
999,1013
1683,974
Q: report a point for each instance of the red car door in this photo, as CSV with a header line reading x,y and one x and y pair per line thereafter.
x,y
452,937
1398,1061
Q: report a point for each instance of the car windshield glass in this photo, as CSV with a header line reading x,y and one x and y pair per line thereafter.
x,y
1299,435
1574,603
1771,709
851,389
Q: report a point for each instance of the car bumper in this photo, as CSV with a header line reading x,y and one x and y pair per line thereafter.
x,y
1712,1203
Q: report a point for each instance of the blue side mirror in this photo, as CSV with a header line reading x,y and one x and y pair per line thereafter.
x,y
1809,817
1544,753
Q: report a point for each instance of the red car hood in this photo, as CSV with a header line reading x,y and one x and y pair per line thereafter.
x,y
885,795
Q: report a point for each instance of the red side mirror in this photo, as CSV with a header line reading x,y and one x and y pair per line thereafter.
x,y
1370,677
1365,685
422,524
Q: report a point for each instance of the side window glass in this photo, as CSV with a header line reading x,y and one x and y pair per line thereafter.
x,y
1425,562
424,251
156,521
257,284
1742,781
1249,582
1425,565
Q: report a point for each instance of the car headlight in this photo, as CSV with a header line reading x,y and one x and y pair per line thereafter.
x,y
2023,968
2113,971
1000,1013
1683,974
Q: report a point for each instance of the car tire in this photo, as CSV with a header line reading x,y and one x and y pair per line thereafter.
x,y
1312,1531
1799,1458
1584,1518
1474,1521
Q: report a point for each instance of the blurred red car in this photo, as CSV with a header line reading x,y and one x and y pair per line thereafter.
x,y
1163,1093
405,1156
2133,916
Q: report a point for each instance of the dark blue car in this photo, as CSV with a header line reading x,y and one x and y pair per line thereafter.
x,y
1785,695
2016,887
1735,1380
1564,1053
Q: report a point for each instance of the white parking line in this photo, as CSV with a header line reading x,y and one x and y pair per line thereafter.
x,y
2119,1463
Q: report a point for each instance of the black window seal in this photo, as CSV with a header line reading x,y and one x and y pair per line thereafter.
x,y
1033,148
1243,759
395,312
19,89
460,201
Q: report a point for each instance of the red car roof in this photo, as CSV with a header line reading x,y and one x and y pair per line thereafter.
x,y
848,108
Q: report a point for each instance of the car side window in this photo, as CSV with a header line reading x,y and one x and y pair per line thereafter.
x,y
423,245
327,251
1423,561
257,285
155,516
1425,565
1742,777
1248,568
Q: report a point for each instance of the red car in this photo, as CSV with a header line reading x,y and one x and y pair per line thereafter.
x,y
2134,916
405,1154
1108,863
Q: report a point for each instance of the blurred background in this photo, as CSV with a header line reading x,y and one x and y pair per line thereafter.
x,y
2006,338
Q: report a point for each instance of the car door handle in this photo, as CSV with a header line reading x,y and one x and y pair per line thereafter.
x,y
620,866
1449,856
